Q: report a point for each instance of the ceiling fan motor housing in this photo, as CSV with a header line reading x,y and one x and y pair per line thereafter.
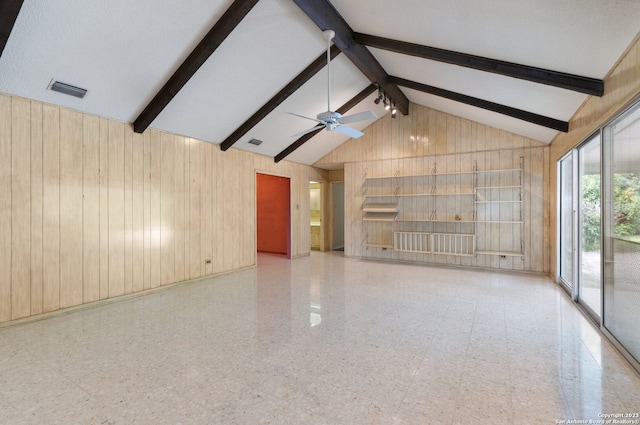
x,y
329,117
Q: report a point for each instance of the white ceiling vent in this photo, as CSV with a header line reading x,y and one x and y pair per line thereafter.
x,y
68,89
255,142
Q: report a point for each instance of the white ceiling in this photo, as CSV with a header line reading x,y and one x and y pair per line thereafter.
x,y
124,51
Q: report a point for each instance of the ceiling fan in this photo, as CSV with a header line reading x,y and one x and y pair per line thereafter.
x,y
333,120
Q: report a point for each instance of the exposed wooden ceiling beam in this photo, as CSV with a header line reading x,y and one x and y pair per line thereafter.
x,y
9,10
280,97
326,17
484,104
227,23
590,86
341,110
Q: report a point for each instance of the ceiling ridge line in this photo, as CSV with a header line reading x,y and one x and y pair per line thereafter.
x,y
326,17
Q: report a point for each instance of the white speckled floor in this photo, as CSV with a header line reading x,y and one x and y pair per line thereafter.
x,y
320,340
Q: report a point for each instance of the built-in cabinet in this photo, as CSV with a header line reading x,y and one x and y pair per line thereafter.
x,y
463,213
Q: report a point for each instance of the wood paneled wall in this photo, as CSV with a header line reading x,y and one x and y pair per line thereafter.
x,y
425,136
90,210
621,86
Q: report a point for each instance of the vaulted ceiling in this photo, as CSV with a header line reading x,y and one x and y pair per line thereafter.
x,y
228,71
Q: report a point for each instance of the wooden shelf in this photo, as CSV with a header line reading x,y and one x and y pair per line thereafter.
x,y
498,202
408,195
501,253
455,173
420,175
378,245
499,187
379,217
506,170
418,220
380,208
441,198
499,221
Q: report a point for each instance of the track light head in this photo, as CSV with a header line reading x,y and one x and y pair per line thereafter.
x,y
379,98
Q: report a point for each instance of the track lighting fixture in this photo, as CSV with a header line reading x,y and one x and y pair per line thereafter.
x,y
379,98
389,104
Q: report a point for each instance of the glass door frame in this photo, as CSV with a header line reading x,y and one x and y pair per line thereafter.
x,y
570,287
598,318
573,288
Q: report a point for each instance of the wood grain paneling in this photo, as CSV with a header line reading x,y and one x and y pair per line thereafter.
x,y
167,209
206,195
91,208
128,210
155,161
195,233
36,208
51,208
180,208
104,208
137,212
71,246
116,209
219,225
146,210
20,209
5,208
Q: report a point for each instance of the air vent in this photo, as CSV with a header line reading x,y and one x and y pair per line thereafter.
x,y
68,89
255,142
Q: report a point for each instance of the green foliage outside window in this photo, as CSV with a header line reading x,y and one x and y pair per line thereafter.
x,y
626,214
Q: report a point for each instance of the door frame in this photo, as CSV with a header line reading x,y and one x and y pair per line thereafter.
x,y
288,236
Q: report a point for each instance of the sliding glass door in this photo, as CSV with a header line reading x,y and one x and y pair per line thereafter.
x,y
580,225
589,226
599,229
622,230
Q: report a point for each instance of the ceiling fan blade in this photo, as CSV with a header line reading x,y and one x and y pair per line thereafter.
x,y
351,132
362,116
307,118
302,133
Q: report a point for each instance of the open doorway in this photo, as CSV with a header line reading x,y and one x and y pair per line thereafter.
x,y
315,214
273,214
337,195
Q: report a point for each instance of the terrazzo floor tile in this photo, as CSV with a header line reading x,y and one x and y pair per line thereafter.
x,y
320,340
